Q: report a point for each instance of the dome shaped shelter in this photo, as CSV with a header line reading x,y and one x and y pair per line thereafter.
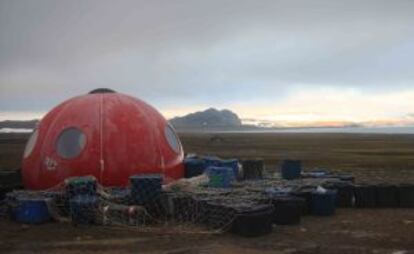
x,y
105,134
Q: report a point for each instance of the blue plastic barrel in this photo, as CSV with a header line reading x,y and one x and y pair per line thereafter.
x,y
31,210
291,169
211,161
83,209
323,204
194,167
220,177
231,163
145,188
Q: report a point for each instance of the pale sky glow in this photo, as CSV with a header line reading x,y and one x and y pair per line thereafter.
x,y
336,106
20,115
290,63
327,106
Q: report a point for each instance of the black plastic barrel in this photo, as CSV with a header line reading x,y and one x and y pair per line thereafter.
x,y
306,194
60,200
83,209
288,210
365,196
323,203
291,169
194,167
387,195
202,209
120,195
12,204
9,180
345,193
181,207
3,192
252,169
145,188
159,207
219,216
253,222
406,195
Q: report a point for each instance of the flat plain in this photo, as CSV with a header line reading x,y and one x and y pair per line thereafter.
x,y
371,158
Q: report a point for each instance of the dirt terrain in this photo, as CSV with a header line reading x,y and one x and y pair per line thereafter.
x,y
370,157
374,158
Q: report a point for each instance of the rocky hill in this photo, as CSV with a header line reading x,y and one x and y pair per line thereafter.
x,y
29,124
210,118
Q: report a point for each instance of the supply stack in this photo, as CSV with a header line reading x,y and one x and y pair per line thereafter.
x,y
217,195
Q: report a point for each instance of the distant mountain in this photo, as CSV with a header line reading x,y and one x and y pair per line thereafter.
x,y
210,118
14,124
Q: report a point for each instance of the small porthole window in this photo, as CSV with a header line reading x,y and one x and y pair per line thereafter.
x,y
30,144
70,143
172,139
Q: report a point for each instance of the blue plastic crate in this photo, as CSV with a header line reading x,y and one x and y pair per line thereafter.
x,y
83,185
220,177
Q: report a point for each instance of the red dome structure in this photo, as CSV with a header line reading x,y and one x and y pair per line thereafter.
x,y
105,134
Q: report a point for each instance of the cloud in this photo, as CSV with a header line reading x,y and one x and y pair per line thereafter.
x,y
183,55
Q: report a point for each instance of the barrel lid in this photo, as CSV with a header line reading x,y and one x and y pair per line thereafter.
x,y
83,199
33,199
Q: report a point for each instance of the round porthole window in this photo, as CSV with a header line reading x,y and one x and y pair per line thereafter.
x,y
172,139
30,144
70,143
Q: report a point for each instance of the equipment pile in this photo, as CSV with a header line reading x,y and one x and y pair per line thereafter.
x,y
217,196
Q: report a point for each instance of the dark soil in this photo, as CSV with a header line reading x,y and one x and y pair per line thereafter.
x,y
372,158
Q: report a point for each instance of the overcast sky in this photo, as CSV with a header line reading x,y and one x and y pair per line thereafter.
x,y
285,61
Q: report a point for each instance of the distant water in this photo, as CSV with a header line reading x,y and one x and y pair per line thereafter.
x,y
15,130
356,130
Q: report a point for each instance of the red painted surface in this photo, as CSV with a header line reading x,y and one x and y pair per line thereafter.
x,y
124,137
